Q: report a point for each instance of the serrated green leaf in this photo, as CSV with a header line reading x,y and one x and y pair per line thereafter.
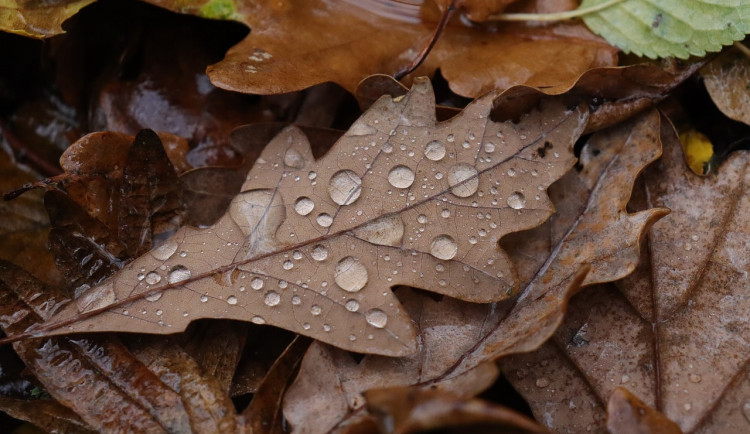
x,y
670,28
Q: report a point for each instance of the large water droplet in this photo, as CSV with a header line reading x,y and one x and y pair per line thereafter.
x,y
178,274
272,299
352,305
320,252
293,159
165,251
463,180
385,231
304,205
350,275
345,187
256,283
153,278
316,310
360,128
435,150
231,300
324,220
258,320
376,318
443,247
154,296
288,265
401,177
516,200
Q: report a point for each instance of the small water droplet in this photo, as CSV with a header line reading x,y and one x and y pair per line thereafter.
x,y
256,283
694,237
463,180
352,305
306,326
350,275
320,252
516,200
511,172
422,218
288,265
283,284
695,378
178,273
140,276
204,298
534,172
324,220
445,213
272,299
345,187
401,177
304,205
376,318
472,240
296,300
154,296
435,150
489,147
316,310
443,247
542,382
258,320
153,278
326,328
165,251
159,312
688,246
297,255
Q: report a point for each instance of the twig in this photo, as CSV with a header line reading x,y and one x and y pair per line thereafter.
x,y
554,16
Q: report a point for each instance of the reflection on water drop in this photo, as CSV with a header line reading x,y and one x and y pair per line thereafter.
x,y
288,265
376,318
324,220
345,187
516,200
256,283
352,305
231,300
435,150
178,273
350,275
153,278
304,205
272,299
165,251
316,310
320,252
401,177
204,298
463,180
296,300
443,247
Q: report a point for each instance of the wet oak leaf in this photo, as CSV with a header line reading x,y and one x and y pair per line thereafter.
x,y
314,246
294,45
675,331
591,226
628,414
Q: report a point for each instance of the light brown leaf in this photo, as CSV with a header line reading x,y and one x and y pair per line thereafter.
x,y
727,80
296,44
590,227
314,246
675,331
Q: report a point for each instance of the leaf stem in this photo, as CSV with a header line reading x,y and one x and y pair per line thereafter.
x,y
743,48
554,16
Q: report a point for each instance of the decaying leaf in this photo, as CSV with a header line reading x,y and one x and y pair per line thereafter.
x,y
314,246
37,19
627,414
294,45
727,80
670,28
590,227
675,331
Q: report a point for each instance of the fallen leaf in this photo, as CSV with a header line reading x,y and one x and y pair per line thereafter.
x,y
294,45
46,414
727,80
674,331
669,28
626,414
38,20
292,251
403,410
591,227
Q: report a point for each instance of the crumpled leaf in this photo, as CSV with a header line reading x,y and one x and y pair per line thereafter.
x,y
37,19
294,45
727,80
590,227
406,410
627,414
314,246
670,28
675,331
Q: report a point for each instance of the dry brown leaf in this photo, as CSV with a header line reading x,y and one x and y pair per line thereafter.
x,y
626,414
590,227
38,19
314,246
675,331
402,410
294,45
727,80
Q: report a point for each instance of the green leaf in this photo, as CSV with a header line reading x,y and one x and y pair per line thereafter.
x,y
670,28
